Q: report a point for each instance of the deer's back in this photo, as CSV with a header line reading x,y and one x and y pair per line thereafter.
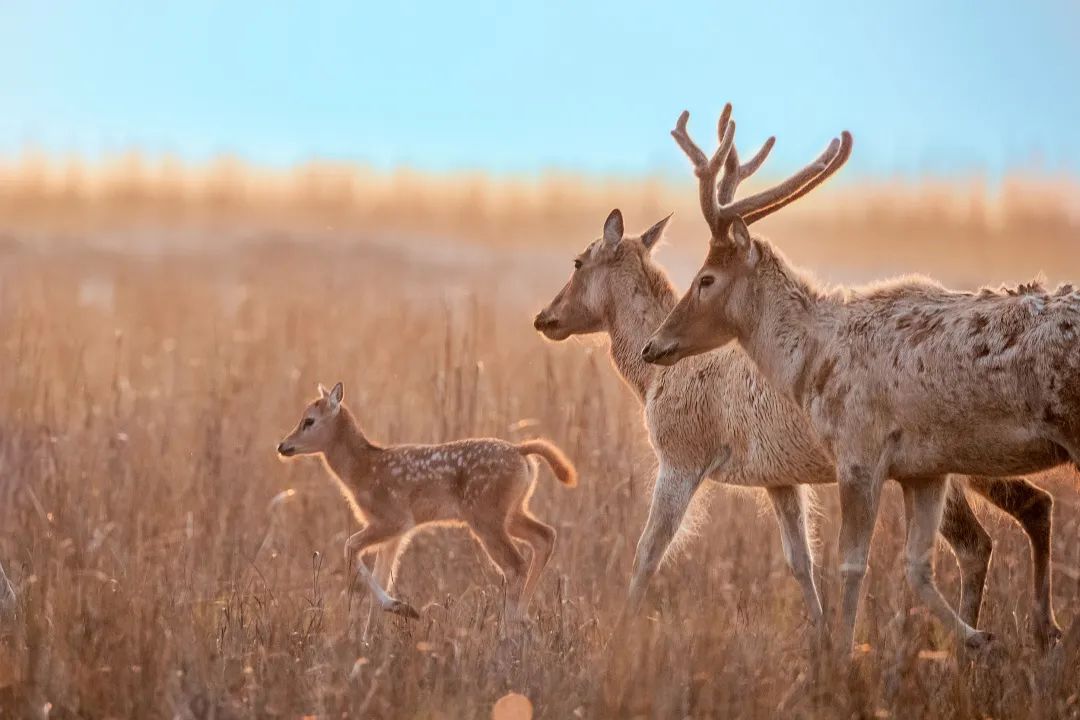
x,y
978,376
442,481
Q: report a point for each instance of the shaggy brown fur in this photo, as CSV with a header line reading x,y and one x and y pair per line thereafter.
x,y
715,416
904,380
483,484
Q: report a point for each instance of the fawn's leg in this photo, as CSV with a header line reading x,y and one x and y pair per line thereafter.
x,y
369,537
671,497
500,548
1033,508
923,503
860,494
541,538
385,562
972,546
789,503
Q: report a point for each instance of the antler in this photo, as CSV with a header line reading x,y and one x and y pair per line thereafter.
x,y
831,166
717,203
734,173
707,170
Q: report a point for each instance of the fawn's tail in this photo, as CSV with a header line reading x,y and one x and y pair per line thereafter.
x,y
560,464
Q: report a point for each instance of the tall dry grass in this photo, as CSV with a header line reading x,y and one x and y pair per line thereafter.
x,y
158,336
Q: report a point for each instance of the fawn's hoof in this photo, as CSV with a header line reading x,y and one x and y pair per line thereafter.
x,y
403,609
979,640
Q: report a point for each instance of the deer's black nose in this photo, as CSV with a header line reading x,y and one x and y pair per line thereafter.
x,y
544,323
646,352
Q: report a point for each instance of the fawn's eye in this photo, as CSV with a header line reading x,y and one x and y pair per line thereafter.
x,y
706,280
577,264
308,422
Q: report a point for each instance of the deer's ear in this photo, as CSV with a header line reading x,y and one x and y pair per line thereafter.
x,y
650,237
337,394
323,392
613,228
740,235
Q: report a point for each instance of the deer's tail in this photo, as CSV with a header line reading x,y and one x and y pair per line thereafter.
x,y
560,464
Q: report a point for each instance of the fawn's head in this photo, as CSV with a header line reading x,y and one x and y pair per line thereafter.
x,y
724,297
316,429
604,273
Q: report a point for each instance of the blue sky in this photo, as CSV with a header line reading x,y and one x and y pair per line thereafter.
x,y
594,86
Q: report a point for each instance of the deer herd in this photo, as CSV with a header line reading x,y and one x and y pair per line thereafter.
x,y
757,377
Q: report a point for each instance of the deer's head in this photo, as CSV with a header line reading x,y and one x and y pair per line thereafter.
x,y
316,430
723,297
604,273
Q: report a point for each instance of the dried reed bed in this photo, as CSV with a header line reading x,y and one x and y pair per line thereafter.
x,y
155,345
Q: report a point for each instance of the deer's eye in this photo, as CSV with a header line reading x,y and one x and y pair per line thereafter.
x,y
308,422
706,280
577,264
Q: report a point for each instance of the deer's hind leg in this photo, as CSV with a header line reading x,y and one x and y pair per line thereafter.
x,y
971,545
1033,508
538,536
789,503
923,504
502,551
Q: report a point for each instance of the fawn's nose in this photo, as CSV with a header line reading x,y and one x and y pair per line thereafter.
x,y
282,450
647,351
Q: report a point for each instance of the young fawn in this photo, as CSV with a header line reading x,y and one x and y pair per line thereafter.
x,y
481,483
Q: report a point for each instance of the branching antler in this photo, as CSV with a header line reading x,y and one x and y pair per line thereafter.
x,y
717,201
831,166
707,170
734,173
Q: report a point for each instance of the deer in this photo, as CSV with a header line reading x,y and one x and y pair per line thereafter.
x,y
902,379
393,491
714,417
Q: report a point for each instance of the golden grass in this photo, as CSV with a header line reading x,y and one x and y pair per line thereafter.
x,y
155,344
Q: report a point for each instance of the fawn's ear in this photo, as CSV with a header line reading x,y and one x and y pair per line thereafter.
x,y
337,394
740,235
650,237
613,228
323,392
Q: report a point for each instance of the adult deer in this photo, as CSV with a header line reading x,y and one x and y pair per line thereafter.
x,y
715,417
905,380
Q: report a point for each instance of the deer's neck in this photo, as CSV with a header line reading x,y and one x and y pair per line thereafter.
x,y
350,453
784,337
632,318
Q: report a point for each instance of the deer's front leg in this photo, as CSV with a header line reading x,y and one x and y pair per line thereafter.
x,y
384,566
671,497
860,493
372,536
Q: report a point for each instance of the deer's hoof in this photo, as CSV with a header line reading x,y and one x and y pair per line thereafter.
x,y
979,640
403,609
